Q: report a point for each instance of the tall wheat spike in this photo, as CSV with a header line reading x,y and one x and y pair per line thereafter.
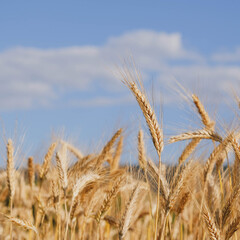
x,y
153,126
149,114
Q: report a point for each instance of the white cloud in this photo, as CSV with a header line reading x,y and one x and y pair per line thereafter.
x,y
31,78
227,57
101,101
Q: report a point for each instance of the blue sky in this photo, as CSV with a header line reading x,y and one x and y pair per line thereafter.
x,y
58,66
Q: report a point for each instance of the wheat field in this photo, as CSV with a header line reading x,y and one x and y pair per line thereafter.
x,y
97,198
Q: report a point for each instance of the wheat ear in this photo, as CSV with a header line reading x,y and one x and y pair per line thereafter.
x,y
47,160
227,209
117,155
78,187
178,185
188,150
202,134
107,148
10,169
233,227
80,165
141,151
215,154
211,226
204,115
22,223
209,125
162,185
55,194
149,114
108,199
30,171
129,210
73,150
236,164
61,160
